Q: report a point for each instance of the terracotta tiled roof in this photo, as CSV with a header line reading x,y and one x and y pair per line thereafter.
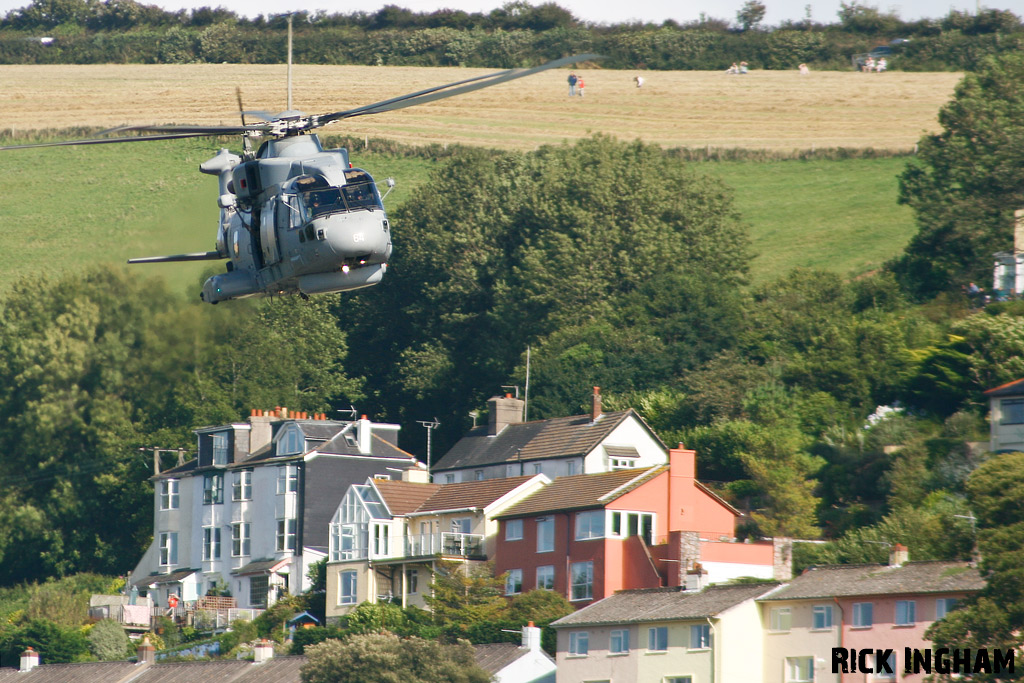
x,y
403,497
663,604
877,579
470,494
559,437
582,491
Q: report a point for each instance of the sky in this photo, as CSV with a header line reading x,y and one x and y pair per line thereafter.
x,y
605,11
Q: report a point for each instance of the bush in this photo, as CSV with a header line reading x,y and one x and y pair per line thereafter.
x,y
107,640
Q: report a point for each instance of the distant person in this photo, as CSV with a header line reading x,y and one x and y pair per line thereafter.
x,y
882,65
639,80
743,68
804,70
572,83
580,85
734,69
869,64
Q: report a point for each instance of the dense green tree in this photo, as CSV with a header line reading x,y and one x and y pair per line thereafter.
x,y
387,658
966,182
108,640
751,14
55,645
994,618
462,595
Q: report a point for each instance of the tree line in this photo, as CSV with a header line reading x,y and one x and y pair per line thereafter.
x,y
514,35
616,264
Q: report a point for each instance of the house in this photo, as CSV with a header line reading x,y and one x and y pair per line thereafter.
x,y
511,663
264,668
1006,417
858,606
387,537
250,514
563,446
664,635
588,536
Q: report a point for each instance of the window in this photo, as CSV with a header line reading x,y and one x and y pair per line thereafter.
x,y
589,524
412,580
619,643
537,468
546,577
514,582
286,530
885,669
462,525
240,539
863,614
259,586
906,612
169,494
513,470
700,636
213,489
449,478
799,669
211,543
168,548
291,441
582,581
478,475
944,606
657,639
381,540
570,468
347,588
1013,411
579,643
220,448
288,479
822,617
780,619
514,530
241,488
679,679
545,534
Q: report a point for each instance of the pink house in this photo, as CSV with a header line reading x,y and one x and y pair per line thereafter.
x,y
590,535
861,607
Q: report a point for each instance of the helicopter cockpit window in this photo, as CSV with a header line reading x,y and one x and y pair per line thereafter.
x,y
359,190
322,202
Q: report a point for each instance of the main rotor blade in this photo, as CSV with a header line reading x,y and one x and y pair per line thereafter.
x,y
197,256
194,130
106,141
450,90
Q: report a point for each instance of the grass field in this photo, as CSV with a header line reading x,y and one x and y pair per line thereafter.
x,y
65,207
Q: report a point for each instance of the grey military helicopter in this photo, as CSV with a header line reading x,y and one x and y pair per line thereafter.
x,y
296,218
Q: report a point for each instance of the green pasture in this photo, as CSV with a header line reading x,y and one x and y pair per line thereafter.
x,y
66,207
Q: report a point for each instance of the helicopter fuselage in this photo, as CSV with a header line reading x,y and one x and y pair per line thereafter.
x,y
296,219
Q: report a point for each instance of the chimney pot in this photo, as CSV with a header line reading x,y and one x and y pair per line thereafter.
x,y
595,404
147,653
29,659
263,651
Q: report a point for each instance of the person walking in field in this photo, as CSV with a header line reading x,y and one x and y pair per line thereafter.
x,y
579,85
639,80
572,83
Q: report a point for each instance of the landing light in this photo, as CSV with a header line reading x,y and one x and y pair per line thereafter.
x,y
344,268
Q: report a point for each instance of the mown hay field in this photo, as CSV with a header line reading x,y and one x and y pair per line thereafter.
x,y
781,111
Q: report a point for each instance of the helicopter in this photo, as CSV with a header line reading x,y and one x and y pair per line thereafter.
x,y
295,218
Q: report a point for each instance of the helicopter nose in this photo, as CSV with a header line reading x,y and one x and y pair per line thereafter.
x,y
361,235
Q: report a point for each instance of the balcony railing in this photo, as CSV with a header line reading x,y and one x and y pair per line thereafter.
x,y
449,544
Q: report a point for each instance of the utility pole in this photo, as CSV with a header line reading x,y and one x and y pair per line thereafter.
x,y
430,427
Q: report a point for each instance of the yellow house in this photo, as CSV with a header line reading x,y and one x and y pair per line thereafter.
x,y
387,537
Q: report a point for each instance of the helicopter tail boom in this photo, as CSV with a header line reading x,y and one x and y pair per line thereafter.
x,y
197,256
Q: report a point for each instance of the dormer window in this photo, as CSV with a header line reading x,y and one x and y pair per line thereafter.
x,y
220,448
291,441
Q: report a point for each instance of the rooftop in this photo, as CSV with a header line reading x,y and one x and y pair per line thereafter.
x,y
878,579
582,491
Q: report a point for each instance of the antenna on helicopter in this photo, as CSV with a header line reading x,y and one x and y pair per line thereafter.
x,y
246,143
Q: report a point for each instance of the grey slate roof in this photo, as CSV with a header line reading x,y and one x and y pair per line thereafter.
x,y
1014,388
663,604
493,657
559,437
582,491
172,577
276,670
877,579
259,567
88,672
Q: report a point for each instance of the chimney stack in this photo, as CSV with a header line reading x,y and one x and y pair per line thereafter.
x,y
416,475
899,555
503,411
531,637
29,660
263,651
595,404
363,433
147,653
